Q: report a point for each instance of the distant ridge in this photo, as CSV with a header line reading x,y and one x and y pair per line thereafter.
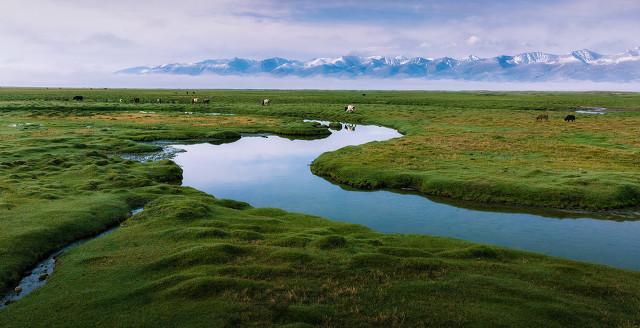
x,y
531,66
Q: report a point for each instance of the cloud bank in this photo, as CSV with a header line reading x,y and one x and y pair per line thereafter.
x,y
63,40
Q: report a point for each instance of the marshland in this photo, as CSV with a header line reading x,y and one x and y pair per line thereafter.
x,y
430,209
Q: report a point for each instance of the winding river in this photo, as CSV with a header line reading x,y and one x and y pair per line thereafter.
x,y
271,171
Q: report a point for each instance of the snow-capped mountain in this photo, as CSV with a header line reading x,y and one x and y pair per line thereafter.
x,y
531,66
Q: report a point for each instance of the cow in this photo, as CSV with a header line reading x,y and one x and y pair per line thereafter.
x,y
350,108
194,100
136,100
266,102
350,127
542,117
206,101
158,100
78,98
570,118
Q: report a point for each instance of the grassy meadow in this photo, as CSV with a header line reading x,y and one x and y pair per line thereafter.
x,y
192,260
474,146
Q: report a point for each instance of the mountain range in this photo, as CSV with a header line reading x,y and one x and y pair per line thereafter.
x,y
531,66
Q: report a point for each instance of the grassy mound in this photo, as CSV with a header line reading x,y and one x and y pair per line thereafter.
x,y
160,269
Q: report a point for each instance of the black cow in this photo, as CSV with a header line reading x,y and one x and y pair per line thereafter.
x,y
206,101
570,118
136,100
78,98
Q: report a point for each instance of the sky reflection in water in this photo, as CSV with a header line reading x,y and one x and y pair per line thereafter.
x,y
274,172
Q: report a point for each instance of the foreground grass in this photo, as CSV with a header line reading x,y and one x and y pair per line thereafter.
x,y
192,260
61,178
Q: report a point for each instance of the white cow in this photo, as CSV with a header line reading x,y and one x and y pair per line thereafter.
x,y
194,100
266,102
350,108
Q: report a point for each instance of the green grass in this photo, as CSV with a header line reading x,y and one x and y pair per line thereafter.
x,y
189,260
61,178
475,146
193,260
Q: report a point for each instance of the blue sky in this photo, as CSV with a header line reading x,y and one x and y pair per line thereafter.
x,y
42,39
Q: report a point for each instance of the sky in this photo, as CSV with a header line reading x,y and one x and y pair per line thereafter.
x,y
82,42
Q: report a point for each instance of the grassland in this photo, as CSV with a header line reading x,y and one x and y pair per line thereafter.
x,y
481,147
62,179
193,260
190,260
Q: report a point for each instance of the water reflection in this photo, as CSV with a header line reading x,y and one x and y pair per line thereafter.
x,y
274,172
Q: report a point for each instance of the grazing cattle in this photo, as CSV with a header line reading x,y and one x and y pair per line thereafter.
x,y
350,108
542,117
194,100
136,100
78,98
206,101
364,94
158,100
570,118
266,102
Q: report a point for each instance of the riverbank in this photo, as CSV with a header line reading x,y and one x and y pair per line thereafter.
x,y
61,178
221,262
484,147
216,263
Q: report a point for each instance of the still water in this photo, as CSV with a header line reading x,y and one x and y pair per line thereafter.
x,y
274,172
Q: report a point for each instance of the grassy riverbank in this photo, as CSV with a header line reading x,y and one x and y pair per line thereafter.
x,y
192,260
61,178
476,146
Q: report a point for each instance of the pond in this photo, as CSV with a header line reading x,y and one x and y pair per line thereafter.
x,y
271,171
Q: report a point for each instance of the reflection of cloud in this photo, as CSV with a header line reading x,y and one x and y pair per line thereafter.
x,y
257,159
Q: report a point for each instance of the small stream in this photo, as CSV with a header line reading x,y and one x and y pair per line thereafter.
x,y
40,274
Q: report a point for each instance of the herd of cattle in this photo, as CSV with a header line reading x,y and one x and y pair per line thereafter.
x,y
194,100
545,117
348,108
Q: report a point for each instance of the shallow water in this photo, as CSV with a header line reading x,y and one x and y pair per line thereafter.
x,y
274,172
39,275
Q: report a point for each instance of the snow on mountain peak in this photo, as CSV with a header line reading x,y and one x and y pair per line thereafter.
x,y
530,66
586,56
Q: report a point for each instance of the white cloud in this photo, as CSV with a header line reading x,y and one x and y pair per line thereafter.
x,y
472,40
81,36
